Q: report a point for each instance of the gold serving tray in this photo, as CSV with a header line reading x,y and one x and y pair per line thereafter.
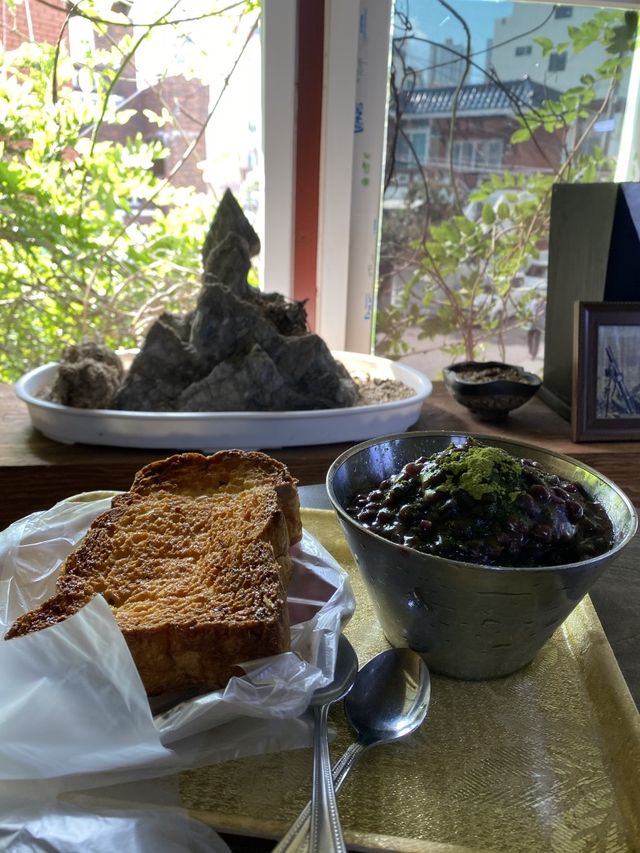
x,y
547,759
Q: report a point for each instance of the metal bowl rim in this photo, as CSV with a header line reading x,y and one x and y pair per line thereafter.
x,y
357,448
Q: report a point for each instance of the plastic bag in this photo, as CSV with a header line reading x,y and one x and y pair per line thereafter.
x,y
30,826
72,706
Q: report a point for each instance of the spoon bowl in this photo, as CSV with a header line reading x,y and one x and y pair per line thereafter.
x,y
389,699
390,696
343,677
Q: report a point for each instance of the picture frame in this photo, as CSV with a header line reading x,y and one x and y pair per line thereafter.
x,y
605,400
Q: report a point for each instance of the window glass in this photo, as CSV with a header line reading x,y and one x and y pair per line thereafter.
x,y
215,50
557,61
512,98
403,151
419,142
123,125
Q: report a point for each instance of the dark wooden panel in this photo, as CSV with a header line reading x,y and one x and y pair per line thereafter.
x,y
35,472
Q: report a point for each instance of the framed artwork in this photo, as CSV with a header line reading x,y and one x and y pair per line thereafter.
x,y
606,371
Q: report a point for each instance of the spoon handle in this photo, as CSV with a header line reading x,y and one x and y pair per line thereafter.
x,y
345,763
326,833
297,834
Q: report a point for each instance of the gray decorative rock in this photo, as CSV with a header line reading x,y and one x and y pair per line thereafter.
x,y
88,377
240,349
229,219
165,365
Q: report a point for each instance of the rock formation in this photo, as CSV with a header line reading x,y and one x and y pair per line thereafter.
x,y
240,349
88,377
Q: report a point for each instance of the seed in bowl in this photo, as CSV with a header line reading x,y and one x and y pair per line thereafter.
x,y
479,504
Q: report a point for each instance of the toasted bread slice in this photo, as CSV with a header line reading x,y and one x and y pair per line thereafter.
x,y
225,472
194,567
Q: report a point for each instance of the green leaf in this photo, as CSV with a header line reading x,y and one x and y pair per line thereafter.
x,y
488,214
545,43
161,119
64,254
523,134
123,116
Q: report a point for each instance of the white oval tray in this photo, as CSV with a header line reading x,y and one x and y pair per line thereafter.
x,y
208,431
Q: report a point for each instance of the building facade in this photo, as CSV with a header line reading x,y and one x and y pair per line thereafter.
x,y
187,100
485,118
516,53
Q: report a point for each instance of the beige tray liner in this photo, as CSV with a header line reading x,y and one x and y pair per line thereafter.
x,y
546,759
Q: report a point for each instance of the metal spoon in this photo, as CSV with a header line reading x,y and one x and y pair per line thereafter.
x,y
326,833
323,791
389,699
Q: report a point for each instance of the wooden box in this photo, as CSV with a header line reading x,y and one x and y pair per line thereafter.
x,y
594,255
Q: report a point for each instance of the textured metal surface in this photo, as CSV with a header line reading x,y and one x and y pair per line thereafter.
x,y
547,759
468,621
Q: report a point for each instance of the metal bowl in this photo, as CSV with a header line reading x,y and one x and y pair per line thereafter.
x,y
467,620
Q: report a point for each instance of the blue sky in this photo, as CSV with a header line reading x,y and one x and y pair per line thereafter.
x,y
435,22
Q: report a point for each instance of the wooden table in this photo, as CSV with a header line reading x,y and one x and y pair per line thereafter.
x,y
35,472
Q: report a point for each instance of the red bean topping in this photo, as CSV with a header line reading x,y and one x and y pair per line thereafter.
x,y
405,512
450,508
411,469
367,514
570,487
543,532
543,520
540,493
384,515
430,496
528,505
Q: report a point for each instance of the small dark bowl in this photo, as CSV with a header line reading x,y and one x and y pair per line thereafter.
x,y
467,620
491,397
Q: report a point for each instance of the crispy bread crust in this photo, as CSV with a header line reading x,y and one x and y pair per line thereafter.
x,y
226,471
194,563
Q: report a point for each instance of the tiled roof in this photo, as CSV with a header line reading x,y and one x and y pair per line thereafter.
x,y
485,97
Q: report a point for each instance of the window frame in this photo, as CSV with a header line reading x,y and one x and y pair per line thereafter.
x,y
279,74
348,237
475,146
